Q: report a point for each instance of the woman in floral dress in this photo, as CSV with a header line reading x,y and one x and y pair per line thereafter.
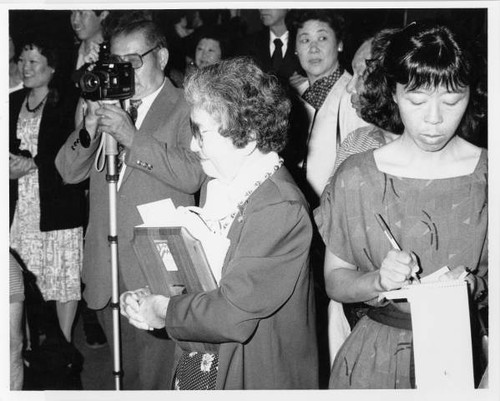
x,y
47,216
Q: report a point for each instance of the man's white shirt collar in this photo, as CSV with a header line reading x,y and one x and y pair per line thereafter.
x,y
284,40
147,101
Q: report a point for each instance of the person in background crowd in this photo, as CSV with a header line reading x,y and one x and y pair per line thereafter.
x,y
16,311
15,78
272,47
213,38
16,308
156,163
47,216
181,27
319,35
212,45
177,32
426,88
259,323
88,28
371,136
364,138
209,17
329,117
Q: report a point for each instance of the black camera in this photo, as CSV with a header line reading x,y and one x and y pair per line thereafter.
x,y
108,79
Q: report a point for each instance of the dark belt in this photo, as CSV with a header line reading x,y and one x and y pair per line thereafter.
x,y
393,317
390,316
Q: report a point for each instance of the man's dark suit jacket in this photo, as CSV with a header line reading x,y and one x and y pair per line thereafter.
x,y
257,46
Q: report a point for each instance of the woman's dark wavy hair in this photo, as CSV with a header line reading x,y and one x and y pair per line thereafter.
x,y
333,18
217,33
250,104
48,48
422,56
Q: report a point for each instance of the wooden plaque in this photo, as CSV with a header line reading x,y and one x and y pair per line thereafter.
x,y
172,260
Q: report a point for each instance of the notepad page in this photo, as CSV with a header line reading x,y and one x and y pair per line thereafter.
x,y
441,334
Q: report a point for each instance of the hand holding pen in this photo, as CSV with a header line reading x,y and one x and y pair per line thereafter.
x,y
398,267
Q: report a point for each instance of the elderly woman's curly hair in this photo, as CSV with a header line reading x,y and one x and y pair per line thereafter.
x,y
248,103
422,56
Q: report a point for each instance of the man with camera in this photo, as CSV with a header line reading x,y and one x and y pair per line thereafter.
x,y
156,164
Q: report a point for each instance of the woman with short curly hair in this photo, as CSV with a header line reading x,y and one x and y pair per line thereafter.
x,y
257,329
249,104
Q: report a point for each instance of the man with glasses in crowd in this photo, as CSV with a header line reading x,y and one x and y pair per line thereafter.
x,y
156,163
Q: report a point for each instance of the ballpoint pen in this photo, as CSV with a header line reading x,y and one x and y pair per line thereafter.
x,y
392,240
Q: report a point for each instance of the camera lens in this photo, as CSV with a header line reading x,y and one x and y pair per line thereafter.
x,y
89,82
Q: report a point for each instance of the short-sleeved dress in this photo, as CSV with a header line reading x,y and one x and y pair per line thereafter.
x,y
443,221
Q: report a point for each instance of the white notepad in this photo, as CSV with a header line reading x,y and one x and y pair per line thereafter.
x,y
441,334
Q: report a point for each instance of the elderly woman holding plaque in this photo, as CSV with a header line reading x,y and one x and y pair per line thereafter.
x,y
256,330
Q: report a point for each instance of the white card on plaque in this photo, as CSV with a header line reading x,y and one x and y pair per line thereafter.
x,y
441,334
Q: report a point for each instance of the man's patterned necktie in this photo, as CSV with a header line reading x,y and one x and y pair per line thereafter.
x,y
132,111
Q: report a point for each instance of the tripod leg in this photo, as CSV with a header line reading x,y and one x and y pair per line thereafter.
x,y
112,178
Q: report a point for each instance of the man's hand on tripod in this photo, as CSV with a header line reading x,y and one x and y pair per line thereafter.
x,y
115,121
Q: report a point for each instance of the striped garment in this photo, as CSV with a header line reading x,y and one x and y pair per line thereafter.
x,y
16,285
358,141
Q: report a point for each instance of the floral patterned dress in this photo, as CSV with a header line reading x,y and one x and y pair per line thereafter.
x,y
196,371
55,257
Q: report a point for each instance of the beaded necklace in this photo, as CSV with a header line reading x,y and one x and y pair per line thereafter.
x,y
38,106
223,224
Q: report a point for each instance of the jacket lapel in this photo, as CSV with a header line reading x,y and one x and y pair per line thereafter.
x,y
160,106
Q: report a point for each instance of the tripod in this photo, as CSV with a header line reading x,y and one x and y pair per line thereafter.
x,y
111,152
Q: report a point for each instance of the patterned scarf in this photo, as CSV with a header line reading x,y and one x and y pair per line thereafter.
x,y
316,94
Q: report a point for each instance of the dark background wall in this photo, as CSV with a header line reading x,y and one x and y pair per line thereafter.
x,y
360,22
